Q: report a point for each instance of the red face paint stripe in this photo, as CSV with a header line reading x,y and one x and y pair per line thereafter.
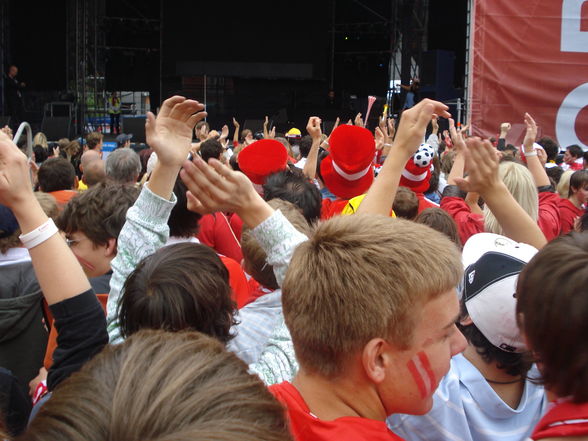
x,y
418,379
427,367
85,263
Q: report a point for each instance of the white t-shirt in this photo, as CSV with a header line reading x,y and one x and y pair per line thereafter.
x,y
466,408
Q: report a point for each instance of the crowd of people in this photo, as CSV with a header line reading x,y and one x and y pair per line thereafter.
x,y
385,284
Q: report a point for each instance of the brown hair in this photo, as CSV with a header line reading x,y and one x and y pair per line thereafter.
x,y
552,309
49,206
406,203
93,139
99,212
56,174
439,220
179,287
447,162
360,277
255,257
161,386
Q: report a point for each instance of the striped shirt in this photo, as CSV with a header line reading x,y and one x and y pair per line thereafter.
x,y
466,408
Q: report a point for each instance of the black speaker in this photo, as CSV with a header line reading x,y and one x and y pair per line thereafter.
x,y
56,127
134,125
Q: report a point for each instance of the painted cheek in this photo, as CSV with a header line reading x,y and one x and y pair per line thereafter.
x,y
85,263
422,374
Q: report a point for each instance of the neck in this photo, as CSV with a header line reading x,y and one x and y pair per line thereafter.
x,y
331,399
491,372
574,200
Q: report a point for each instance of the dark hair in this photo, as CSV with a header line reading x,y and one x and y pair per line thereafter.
x,y
179,287
41,154
162,386
244,134
554,173
406,203
144,155
211,148
99,212
583,223
515,364
305,145
438,219
182,222
575,150
550,146
552,310
434,181
56,174
293,186
234,162
579,179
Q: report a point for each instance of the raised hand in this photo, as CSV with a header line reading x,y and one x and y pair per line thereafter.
x,y
456,137
235,123
530,134
313,127
215,187
170,134
272,133
8,131
15,185
224,132
435,124
358,121
482,165
391,128
504,128
413,124
337,121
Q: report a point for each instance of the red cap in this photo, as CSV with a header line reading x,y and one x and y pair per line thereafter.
x,y
262,158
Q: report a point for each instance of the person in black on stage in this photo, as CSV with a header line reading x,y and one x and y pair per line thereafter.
x,y
14,103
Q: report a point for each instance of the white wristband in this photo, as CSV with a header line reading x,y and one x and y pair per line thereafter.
x,y
533,153
39,234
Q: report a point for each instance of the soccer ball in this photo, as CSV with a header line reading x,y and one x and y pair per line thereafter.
x,y
424,155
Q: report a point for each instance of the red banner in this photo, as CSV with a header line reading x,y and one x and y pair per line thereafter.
x,y
530,56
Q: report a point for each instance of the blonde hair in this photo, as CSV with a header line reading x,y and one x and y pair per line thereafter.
x,y
161,386
361,277
563,187
520,184
40,139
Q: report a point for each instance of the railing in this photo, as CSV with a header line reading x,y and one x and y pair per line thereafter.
x,y
24,126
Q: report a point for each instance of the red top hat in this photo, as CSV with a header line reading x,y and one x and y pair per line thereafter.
x,y
417,171
348,170
262,158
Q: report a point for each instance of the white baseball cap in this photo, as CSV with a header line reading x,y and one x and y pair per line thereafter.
x,y
492,265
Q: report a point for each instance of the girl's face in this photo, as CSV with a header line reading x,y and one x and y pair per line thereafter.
x,y
581,194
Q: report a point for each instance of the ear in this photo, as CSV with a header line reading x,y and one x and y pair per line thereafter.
x,y
466,321
375,359
110,250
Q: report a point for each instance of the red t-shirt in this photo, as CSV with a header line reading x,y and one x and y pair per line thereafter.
x,y
62,197
237,280
568,213
564,419
425,203
332,208
216,232
306,427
